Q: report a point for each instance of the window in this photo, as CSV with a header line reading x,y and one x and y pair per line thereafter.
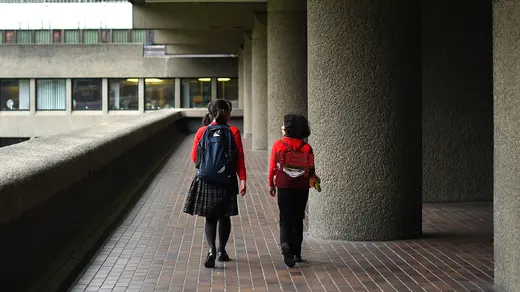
x,y
159,93
9,37
51,94
56,36
71,37
196,92
122,94
42,36
227,88
14,94
86,94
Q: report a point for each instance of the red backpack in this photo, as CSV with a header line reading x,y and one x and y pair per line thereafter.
x,y
293,167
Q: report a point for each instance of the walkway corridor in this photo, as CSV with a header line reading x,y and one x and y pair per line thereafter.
x,y
159,248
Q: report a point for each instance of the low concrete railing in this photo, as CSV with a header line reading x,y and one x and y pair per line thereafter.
x,y
59,194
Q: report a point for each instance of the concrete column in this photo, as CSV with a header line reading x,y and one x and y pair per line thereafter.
x,y
140,95
286,62
240,79
247,87
32,96
259,82
104,96
214,89
365,109
68,101
178,93
506,83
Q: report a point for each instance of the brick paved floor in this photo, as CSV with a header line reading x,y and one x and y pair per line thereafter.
x,y
159,248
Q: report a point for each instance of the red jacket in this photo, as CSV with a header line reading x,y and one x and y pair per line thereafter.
x,y
278,146
241,165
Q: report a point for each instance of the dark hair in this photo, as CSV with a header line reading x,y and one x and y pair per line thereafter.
x,y
217,110
296,126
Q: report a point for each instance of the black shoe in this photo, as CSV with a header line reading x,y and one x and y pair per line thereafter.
x,y
298,258
287,255
210,259
223,256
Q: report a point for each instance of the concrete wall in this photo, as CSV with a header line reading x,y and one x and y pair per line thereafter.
x,y
52,123
59,194
457,101
104,61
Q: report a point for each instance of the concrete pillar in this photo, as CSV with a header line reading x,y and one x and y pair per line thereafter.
x,y
104,96
141,95
32,96
286,62
506,83
259,82
240,79
247,86
214,89
68,103
365,109
177,93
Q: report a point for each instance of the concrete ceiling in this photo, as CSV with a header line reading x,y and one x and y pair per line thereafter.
x,y
196,16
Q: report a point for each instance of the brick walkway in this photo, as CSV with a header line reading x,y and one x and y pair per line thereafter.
x,y
159,248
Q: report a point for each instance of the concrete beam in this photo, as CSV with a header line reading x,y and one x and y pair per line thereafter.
x,y
198,37
200,49
191,16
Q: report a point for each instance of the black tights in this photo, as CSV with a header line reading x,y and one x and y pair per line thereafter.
x,y
224,229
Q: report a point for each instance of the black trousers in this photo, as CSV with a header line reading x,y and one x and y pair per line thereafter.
x,y
292,203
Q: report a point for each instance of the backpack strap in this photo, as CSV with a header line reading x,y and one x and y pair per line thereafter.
x,y
299,149
287,145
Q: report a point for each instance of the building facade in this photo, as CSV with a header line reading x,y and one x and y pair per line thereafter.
x,y
58,79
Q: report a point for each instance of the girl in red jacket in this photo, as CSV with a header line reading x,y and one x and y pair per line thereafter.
x,y
217,202
291,170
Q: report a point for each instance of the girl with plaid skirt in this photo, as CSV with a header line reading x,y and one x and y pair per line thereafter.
x,y
217,202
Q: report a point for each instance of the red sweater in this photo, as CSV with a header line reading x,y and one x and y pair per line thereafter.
x,y
278,146
241,165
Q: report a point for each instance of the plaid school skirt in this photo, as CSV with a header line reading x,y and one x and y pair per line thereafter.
x,y
209,200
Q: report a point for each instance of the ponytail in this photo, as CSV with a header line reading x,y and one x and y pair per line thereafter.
x,y
221,117
207,119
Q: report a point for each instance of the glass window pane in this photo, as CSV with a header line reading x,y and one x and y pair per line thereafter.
x,y
42,37
90,36
72,36
227,88
24,37
196,92
9,37
159,93
120,36
51,94
138,36
14,94
56,36
86,94
122,94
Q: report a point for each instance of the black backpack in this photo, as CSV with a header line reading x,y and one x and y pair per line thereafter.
x,y
216,155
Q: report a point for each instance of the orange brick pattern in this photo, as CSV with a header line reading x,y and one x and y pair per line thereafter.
x,y
159,248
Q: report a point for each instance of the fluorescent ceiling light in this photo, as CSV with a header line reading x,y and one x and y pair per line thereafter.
x,y
153,80
205,79
134,80
224,79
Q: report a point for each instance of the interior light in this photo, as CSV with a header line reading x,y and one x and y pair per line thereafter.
x,y
224,79
205,79
134,80
153,80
